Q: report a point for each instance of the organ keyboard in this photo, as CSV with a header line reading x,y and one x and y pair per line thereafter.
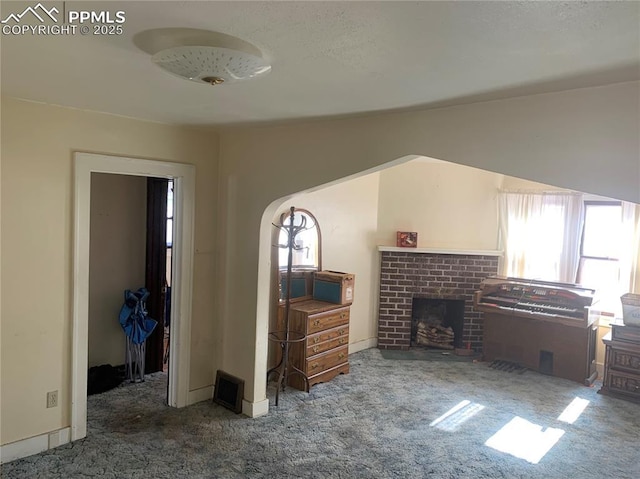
x,y
545,326
547,301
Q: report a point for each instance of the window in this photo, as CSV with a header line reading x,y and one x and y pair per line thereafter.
x,y
561,237
170,214
305,254
601,247
540,235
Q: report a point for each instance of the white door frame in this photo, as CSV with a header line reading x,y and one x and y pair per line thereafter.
x,y
181,292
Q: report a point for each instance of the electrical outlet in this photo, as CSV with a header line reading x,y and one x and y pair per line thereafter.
x,y
52,399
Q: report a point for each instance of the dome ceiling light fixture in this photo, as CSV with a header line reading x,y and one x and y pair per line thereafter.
x,y
202,56
211,65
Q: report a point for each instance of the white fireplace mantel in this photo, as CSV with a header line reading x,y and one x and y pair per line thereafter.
x,y
470,252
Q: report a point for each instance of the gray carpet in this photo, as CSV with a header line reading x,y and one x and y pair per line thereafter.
x,y
371,423
422,354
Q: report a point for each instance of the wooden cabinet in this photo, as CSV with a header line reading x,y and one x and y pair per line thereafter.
x,y
622,362
545,346
324,353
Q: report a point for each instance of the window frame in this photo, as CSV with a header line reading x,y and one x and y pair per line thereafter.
x,y
584,257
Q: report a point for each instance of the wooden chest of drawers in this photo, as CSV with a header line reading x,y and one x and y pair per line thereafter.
x,y
622,363
324,353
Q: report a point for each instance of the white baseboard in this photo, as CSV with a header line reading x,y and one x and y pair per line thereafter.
x,y
255,409
34,445
362,345
199,395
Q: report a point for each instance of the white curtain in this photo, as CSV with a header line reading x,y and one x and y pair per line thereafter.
x,y
540,234
630,249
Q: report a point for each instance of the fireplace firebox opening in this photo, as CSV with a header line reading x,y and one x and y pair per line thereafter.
x,y
437,323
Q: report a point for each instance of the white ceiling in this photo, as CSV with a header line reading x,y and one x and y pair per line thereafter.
x,y
331,58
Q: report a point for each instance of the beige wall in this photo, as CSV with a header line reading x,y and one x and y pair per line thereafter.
x,y
421,195
584,139
547,138
511,183
38,142
449,205
347,214
116,258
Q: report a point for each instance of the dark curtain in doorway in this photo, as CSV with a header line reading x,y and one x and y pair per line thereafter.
x,y
156,266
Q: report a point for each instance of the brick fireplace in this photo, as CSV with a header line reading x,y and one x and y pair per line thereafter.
x,y
427,273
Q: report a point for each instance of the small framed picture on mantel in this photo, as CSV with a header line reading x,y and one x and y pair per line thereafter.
x,y
407,239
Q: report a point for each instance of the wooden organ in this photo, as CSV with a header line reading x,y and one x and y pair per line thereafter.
x,y
545,326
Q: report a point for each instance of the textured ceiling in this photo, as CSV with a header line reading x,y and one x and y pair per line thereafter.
x,y
331,58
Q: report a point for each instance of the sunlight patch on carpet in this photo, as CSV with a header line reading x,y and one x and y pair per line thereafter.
x,y
454,417
525,440
572,412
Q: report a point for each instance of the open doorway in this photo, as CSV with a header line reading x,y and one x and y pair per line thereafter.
x,y
130,235
117,246
183,177
130,245
159,239
167,298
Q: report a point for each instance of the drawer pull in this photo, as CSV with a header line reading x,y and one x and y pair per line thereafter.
x,y
316,339
314,365
341,341
341,356
343,315
341,332
316,349
316,322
